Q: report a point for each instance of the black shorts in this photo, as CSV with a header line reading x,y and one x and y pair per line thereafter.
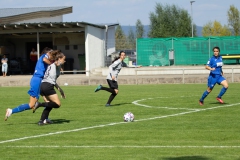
x,y
112,84
47,89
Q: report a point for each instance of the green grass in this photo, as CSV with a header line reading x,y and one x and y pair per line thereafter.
x,y
169,125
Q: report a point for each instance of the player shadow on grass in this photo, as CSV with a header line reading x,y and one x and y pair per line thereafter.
x,y
59,121
218,103
119,104
187,158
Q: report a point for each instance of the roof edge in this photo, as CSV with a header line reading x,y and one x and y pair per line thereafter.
x,y
33,15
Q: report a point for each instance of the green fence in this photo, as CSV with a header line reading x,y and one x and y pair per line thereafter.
x,y
183,51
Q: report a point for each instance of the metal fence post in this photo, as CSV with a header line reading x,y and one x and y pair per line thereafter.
x,y
136,76
183,77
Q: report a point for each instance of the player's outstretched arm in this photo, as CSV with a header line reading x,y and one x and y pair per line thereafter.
x,y
60,90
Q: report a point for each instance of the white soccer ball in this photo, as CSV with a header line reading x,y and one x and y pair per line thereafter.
x,y
128,117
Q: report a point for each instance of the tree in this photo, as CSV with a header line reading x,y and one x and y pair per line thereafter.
x,y
120,38
131,39
139,29
215,29
234,20
170,21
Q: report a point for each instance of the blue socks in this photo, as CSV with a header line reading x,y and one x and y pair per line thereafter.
x,y
21,108
204,96
223,90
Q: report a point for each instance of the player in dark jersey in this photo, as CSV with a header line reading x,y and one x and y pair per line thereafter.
x,y
216,76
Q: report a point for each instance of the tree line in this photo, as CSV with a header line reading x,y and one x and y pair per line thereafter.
x,y
172,21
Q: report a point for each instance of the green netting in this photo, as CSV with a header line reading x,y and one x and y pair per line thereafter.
x,y
183,51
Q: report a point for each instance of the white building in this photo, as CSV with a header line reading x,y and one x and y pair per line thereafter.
x,y
85,45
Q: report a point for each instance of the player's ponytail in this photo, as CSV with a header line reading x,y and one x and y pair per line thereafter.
x,y
59,55
45,50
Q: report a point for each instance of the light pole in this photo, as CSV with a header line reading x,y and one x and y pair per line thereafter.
x,y
192,15
106,30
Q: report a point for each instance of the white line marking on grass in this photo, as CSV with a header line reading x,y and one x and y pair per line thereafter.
x,y
143,105
112,124
60,132
182,113
41,146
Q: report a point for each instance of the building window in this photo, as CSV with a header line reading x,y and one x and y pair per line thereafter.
x,y
75,47
66,47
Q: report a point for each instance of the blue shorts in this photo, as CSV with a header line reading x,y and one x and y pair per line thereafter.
x,y
35,84
213,79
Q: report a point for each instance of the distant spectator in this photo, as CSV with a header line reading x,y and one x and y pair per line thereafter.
x,y
33,60
4,65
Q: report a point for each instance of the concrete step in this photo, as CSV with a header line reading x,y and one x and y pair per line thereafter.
x,y
97,71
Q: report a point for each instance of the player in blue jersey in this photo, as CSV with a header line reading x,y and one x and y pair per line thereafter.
x,y
44,60
216,76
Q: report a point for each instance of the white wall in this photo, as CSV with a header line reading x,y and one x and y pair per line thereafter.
x,y
111,40
42,20
94,47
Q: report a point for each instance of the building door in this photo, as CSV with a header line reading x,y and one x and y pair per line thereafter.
x,y
82,63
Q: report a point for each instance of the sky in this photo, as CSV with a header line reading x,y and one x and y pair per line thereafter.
x,y
127,12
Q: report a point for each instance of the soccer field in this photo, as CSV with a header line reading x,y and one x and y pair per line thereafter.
x,y
169,125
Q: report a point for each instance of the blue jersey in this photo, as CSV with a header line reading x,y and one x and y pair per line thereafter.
x,y
41,67
37,77
215,62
